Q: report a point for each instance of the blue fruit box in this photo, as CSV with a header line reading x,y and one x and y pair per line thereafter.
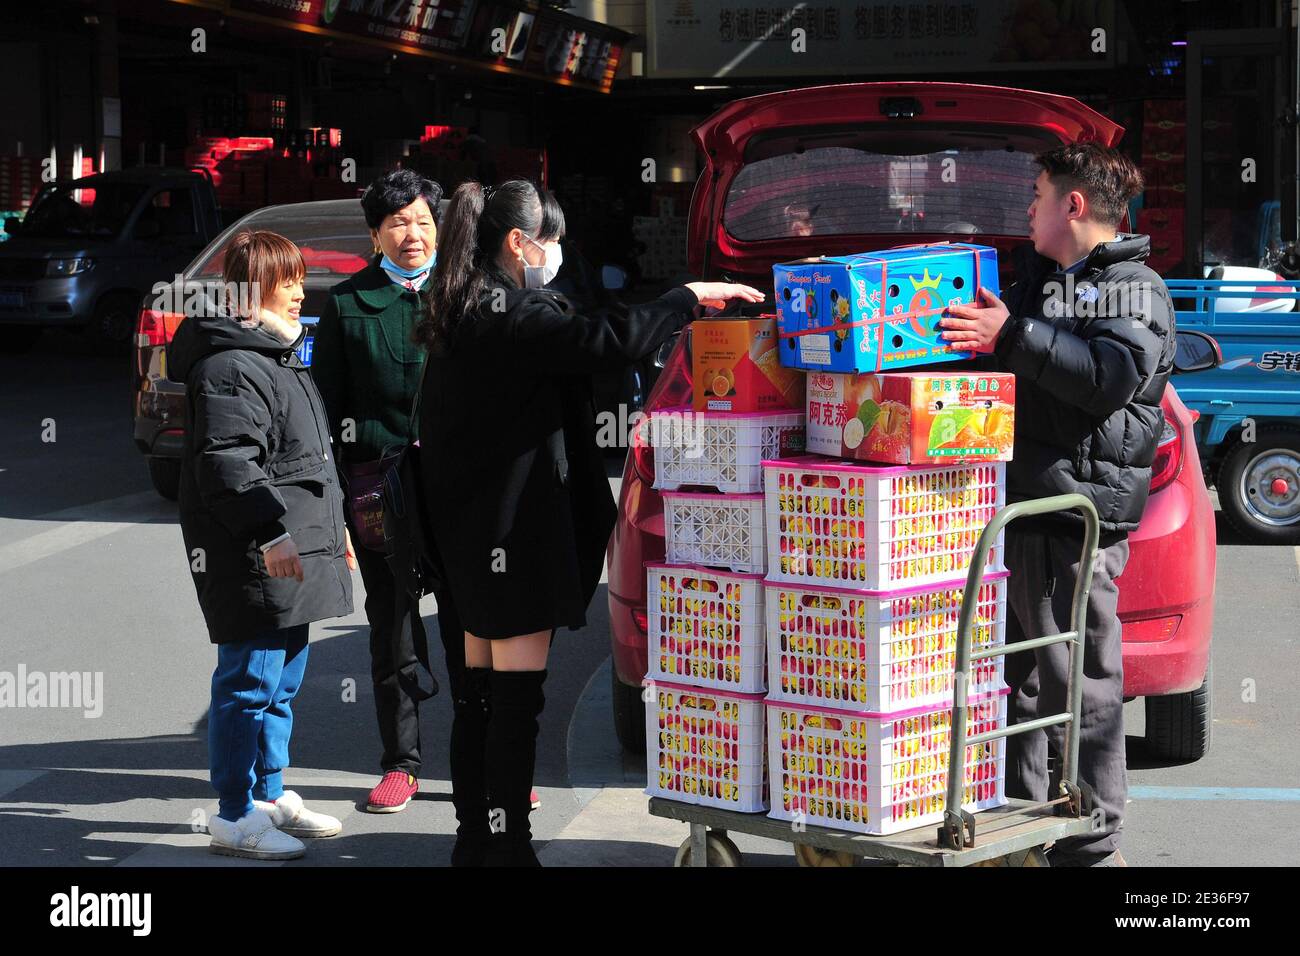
x,y
877,310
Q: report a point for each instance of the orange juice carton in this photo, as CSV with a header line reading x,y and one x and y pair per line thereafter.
x,y
736,367
908,418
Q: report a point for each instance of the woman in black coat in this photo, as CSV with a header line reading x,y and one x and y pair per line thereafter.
x,y
262,517
520,505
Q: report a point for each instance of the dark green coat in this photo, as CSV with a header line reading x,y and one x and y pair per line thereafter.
x,y
365,364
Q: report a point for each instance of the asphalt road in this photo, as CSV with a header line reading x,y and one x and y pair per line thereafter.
x,y
93,579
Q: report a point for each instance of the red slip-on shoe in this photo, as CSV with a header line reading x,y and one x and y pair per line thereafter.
x,y
393,793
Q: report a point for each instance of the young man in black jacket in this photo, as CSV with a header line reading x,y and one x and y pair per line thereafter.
x,y
1088,331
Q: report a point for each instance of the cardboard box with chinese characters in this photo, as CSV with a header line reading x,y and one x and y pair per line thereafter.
x,y
877,311
909,418
735,367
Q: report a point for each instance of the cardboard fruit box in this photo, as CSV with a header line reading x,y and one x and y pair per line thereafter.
x,y
879,310
910,418
736,367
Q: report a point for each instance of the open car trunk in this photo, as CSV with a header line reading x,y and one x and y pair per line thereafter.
x,y
848,168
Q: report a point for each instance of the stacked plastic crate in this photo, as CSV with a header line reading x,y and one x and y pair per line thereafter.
x,y
866,572
707,679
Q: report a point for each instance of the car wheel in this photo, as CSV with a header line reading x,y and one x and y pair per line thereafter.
x,y
165,473
629,714
1259,486
114,322
17,339
1178,725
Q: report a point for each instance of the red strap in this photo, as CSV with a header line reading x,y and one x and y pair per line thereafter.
x,y
880,329
884,316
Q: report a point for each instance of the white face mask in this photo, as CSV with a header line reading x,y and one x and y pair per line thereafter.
x,y
536,277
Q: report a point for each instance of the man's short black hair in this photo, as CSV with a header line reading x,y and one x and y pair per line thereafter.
x,y
1106,177
397,190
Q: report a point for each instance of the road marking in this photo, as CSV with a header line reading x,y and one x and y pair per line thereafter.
x,y
1273,794
83,524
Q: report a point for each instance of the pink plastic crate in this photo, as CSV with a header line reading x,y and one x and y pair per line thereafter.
x,y
706,627
706,747
842,524
881,651
873,773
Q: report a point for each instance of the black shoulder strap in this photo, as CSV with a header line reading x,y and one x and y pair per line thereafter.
x,y
413,421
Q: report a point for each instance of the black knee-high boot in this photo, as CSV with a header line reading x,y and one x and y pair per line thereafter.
x,y
471,707
517,700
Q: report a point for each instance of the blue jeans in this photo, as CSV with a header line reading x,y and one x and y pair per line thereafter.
x,y
250,720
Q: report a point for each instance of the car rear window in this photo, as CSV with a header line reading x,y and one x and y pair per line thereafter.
x,y
333,246
838,190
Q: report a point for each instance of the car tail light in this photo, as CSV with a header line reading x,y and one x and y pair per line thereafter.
x,y
1153,630
672,389
643,453
1169,457
154,329
642,619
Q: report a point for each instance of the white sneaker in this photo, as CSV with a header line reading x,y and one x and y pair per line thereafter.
x,y
254,837
292,817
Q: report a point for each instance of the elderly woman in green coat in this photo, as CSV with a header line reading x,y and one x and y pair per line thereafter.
x,y
367,368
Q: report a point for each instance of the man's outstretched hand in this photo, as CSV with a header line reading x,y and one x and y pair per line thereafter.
x,y
975,328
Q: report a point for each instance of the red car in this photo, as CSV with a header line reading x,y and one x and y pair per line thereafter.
x,y
870,165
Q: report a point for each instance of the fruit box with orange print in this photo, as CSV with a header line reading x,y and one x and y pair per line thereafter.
x,y
877,311
735,367
910,418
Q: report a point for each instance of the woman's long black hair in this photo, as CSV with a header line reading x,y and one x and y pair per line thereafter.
x,y
477,221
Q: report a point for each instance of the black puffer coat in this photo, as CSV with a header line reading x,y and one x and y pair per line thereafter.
x,y
256,463
1088,386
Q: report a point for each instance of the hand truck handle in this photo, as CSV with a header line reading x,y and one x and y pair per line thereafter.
x,y
954,820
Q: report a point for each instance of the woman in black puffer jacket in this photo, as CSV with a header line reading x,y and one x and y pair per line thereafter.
x,y
261,513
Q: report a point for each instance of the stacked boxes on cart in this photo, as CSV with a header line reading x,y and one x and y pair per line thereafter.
x,y
707,658
865,588
808,607
868,550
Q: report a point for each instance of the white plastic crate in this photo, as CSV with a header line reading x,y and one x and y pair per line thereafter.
x,y
873,773
880,651
706,628
843,524
721,450
717,531
706,747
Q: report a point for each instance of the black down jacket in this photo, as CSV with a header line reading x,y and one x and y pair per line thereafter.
x,y
256,463
1091,358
